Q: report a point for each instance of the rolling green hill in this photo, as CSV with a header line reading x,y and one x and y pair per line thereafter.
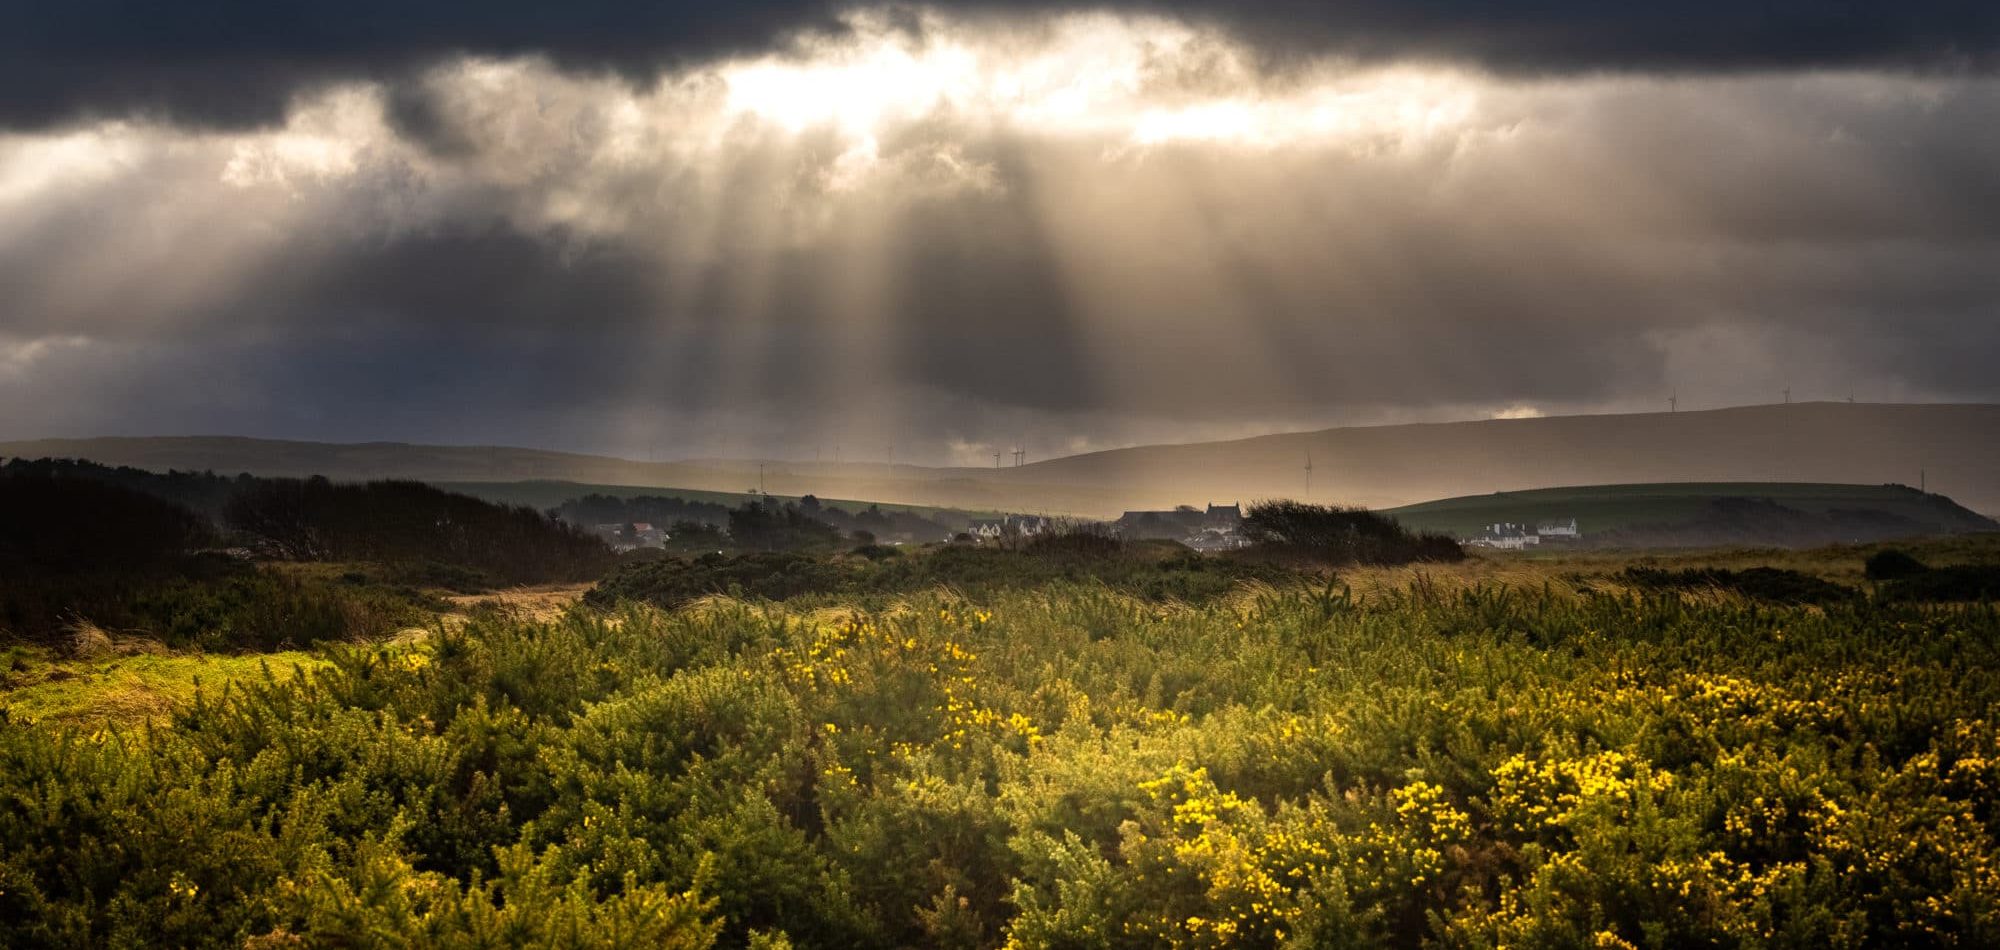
x,y
1836,511
1956,447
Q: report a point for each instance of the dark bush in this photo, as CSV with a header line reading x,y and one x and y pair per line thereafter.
x,y
1333,535
1964,582
1892,563
674,582
1076,540
694,537
970,570
1762,583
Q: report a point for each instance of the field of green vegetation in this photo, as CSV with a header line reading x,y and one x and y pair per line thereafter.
x,y
1602,508
1602,753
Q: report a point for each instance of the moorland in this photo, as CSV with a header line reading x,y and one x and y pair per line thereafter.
x,y
291,713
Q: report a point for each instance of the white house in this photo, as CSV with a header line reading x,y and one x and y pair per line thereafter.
x,y
1505,536
1026,526
1558,529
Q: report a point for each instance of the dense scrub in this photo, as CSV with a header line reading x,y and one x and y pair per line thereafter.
x,y
80,552
1904,577
1326,534
1760,583
1067,767
1152,572
595,509
209,604
409,522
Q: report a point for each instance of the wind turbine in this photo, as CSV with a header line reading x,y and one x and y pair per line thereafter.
x,y
1309,475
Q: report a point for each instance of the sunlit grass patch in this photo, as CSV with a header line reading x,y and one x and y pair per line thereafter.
x,y
40,686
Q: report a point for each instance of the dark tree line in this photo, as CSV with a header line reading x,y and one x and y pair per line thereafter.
x,y
66,525
204,493
596,509
68,511
771,526
395,521
676,513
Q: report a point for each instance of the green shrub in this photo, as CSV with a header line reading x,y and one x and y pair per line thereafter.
x,y
1066,765
214,604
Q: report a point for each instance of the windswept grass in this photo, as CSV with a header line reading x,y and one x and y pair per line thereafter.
x,y
41,686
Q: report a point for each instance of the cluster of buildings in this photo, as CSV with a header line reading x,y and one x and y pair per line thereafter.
x,y
625,537
1011,526
1510,536
1214,528
1217,528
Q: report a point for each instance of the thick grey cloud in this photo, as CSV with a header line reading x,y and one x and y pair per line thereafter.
x,y
238,62
914,232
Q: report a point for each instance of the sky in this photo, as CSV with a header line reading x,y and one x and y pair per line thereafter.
x,y
795,229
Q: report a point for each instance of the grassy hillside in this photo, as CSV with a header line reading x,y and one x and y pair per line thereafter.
x,y
1957,447
1601,508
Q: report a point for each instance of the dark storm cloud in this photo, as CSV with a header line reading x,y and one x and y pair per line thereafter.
x,y
238,62
522,251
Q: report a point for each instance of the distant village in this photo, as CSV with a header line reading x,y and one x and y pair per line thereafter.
x,y
1216,528
1208,529
1508,536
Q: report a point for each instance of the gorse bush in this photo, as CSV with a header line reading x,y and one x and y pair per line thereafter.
x,y
1333,535
875,572
1063,767
1761,583
211,604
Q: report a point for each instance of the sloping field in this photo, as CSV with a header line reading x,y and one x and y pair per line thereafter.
x,y
1607,508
